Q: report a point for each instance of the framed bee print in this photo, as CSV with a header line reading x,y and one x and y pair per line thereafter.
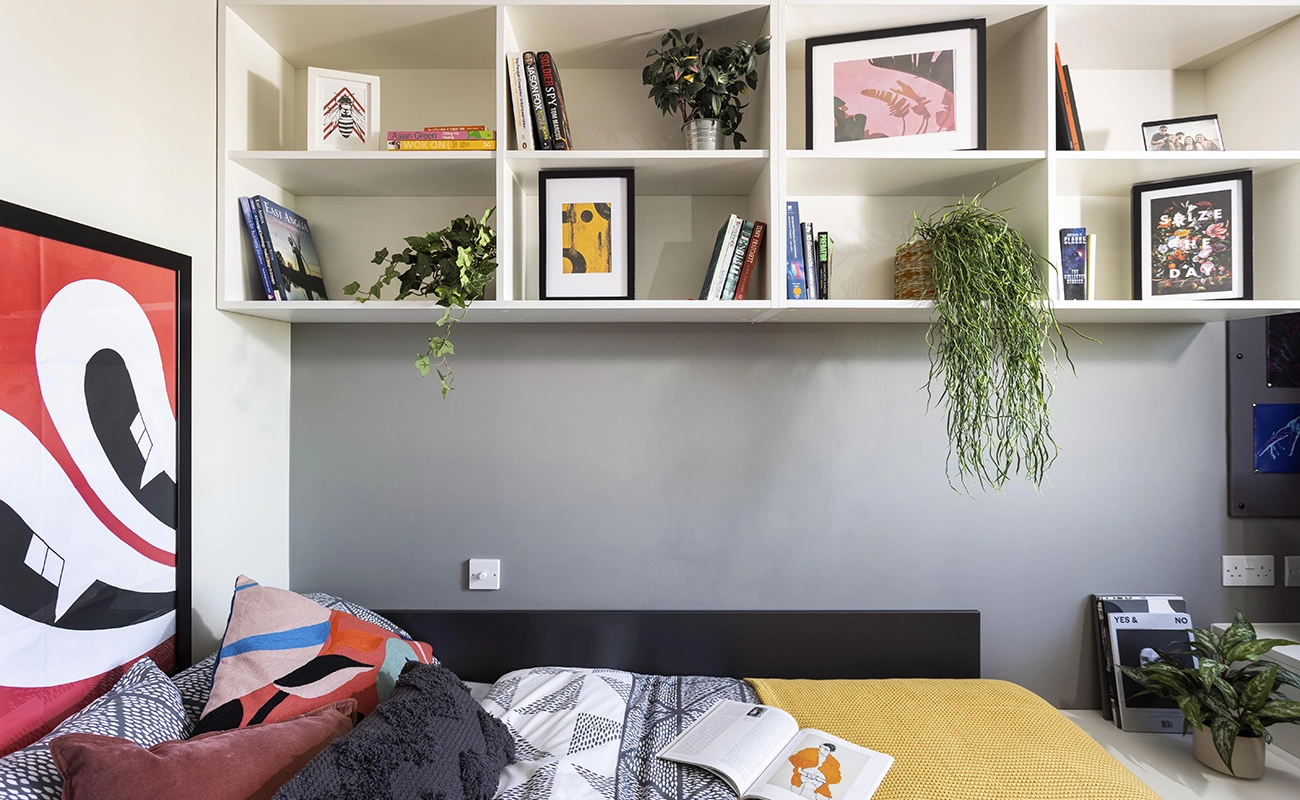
x,y
342,110
94,455
586,236
1192,238
915,88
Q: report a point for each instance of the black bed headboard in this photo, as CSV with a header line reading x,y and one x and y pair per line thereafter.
x,y
483,645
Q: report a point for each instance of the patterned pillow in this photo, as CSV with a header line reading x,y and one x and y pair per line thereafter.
x,y
284,655
144,707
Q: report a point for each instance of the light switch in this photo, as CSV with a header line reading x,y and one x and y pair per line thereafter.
x,y
485,573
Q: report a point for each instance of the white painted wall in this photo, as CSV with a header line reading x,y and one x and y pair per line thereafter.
x,y
112,122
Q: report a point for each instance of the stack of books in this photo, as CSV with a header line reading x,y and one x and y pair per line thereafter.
x,y
1132,630
447,137
735,253
285,253
809,257
537,102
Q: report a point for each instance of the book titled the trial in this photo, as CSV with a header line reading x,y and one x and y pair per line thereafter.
x,y
1074,263
763,754
545,138
751,259
796,287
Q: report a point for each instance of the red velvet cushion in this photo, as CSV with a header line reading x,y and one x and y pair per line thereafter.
x,y
243,764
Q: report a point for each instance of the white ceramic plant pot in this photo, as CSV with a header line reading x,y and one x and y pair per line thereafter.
x,y
1247,754
704,134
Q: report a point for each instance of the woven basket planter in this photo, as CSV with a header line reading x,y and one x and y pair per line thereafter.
x,y
913,278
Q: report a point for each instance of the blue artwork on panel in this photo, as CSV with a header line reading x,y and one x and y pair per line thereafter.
x,y
1277,437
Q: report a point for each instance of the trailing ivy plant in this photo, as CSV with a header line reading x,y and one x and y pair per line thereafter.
x,y
700,82
990,342
1231,689
452,265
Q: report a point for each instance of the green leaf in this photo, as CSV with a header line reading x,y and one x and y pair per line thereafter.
x,y
1209,670
1257,690
1252,650
352,288
1281,710
1239,631
422,364
1225,730
380,255
1191,708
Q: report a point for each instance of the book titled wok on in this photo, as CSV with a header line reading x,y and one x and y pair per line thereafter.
x,y
763,754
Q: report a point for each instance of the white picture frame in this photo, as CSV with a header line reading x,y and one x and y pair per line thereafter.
x,y
342,111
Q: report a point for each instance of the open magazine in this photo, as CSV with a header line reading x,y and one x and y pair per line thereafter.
x,y
761,752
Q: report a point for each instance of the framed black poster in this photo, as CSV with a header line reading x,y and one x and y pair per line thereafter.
x,y
94,482
1264,417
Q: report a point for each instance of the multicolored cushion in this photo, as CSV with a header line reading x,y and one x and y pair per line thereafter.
x,y
143,707
284,655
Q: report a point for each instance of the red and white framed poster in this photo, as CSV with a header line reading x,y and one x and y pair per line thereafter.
x,y
94,462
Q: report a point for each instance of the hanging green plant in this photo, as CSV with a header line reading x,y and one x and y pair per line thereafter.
x,y
452,265
994,346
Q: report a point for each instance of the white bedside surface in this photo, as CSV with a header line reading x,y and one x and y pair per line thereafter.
x,y
1165,763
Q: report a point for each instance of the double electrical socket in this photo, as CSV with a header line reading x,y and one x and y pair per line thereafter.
x,y
1248,571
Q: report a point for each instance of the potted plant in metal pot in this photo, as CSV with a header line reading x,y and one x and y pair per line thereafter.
x,y
453,266
1229,699
704,85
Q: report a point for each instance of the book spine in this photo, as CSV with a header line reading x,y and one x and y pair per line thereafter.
x,y
519,94
1062,118
455,127
551,100
536,104
250,222
751,260
465,144
809,261
1072,112
724,259
264,233
1099,617
1074,263
434,136
824,266
713,260
1090,272
794,275
737,260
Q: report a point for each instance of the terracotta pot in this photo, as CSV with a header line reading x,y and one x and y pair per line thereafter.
x,y
913,272
1247,754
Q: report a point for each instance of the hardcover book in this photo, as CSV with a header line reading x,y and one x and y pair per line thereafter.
x,y
1074,263
292,251
545,138
810,261
751,259
717,254
551,99
725,258
795,285
763,754
737,260
519,110
273,264
250,224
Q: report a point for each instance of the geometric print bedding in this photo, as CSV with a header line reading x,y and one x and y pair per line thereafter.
x,y
284,655
144,707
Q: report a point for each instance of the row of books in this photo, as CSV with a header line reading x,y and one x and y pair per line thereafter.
x,y
446,137
1069,134
1133,630
1078,264
285,253
537,102
809,256
735,255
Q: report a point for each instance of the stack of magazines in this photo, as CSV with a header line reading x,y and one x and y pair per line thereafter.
x,y
1132,630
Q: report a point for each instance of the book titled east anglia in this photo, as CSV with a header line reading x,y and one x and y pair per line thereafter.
x,y
763,754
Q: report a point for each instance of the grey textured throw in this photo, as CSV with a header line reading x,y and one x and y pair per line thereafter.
x,y
429,741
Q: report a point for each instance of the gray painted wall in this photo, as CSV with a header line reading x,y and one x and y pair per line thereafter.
x,y
769,466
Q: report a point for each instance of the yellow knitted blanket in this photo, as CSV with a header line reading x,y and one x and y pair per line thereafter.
x,y
960,739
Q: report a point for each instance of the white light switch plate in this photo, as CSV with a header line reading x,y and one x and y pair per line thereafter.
x,y
485,573
1292,571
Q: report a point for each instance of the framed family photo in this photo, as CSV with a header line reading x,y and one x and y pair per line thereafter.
x,y
913,88
1192,238
1185,134
586,234
342,110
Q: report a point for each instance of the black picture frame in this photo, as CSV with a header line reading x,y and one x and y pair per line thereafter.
x,y
545,181
1244,234
981,67
47,226
1156,123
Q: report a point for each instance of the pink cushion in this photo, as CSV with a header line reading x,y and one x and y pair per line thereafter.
x,y
243,764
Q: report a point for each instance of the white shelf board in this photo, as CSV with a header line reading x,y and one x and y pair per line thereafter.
x,y
364,37
508,311
909,174
658,172
374,173
1096,312
1113,173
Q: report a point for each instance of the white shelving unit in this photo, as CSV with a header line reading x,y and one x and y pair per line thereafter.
x,y
443,64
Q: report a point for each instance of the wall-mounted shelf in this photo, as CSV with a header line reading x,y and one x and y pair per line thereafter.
x,y
443,64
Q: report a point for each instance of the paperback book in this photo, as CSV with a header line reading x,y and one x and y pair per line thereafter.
x,y
825,249
1074,263
810,262
752,254
520,112
545,138
291,253
440,135
796,284
259,255
553,102
763,754
737,260
442,144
